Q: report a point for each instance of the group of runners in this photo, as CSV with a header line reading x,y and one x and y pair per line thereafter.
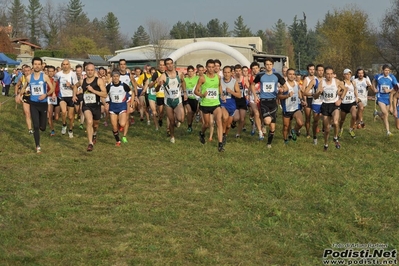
x,y
215,95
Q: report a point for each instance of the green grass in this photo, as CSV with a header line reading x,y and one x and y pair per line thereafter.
x,y
151,202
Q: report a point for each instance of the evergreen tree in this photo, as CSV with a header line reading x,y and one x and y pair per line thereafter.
x,y
34,12
111,30
240,29
17,18
140,37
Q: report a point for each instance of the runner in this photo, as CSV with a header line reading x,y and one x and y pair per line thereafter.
x,y
79,94
362,84
38,82
230,89
53,104
209,89
119,98
308,93
316,103
333,92
25,97
174,86
152,99
66,81
241,102
269,83
349,104
291,101
93,88
191,107
384,84
255,89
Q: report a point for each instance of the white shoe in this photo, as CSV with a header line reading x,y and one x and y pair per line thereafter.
x,y
178,124
148,122
315,141
63,130
70,134
172,140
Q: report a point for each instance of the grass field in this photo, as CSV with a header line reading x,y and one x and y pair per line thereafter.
x,y
150,202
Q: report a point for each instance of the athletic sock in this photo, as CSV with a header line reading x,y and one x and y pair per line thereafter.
x,y
270,137
116,135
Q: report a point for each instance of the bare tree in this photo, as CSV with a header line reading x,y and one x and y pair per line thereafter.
x,y
52,25
159,37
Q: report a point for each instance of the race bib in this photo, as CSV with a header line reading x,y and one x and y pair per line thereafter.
x,y
37,90
212,94
117,97
227,95
384,87
268,87
152,91
174,93
190,93
89,98
51,100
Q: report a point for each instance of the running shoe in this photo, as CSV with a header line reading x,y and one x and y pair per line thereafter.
x,y
325,147
189,129
70,134
172,140
238,136
160,123
95,139
224,140
293,133
63,130
352,133
389,134
337,144
124,139
30,131
233,124
105,124
118,144
314,141
38,149
202,137
220,147
81,125
148,122
52,133
90,147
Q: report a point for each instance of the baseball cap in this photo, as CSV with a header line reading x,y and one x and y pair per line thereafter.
x,y
347,70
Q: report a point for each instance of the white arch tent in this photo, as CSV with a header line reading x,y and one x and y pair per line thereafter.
x,y
215,46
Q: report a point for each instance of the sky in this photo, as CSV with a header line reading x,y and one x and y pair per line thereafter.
x,y
259,14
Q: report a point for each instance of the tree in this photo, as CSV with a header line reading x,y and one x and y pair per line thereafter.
x,y
214,28
80,46
240,29
388,45
17,18
346,40
111,30
51,25
159,36
180,30
34,12
299,35
76,21
225,30
140,37
262,34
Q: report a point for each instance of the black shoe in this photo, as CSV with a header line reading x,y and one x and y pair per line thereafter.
x,y
202,137
160,123
220,147
224,140
90,147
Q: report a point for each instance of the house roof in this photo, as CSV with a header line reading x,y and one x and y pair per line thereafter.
x,y
25,41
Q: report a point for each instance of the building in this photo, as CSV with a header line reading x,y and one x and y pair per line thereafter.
x,y
250,47
23,46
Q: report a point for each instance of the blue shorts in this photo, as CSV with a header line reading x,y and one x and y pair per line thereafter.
x,y
316,108
117,108
139,91
383,100
230,109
